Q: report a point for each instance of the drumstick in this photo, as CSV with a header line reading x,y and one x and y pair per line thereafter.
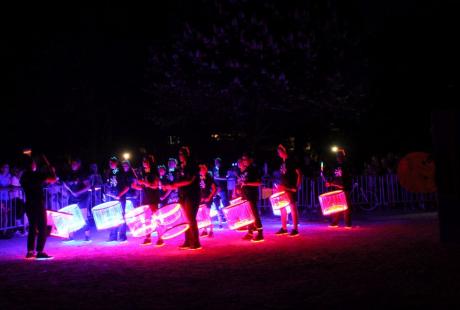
x,y
50,168
322,172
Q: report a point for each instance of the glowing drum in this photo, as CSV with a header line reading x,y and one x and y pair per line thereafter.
x,y
77,221
171,221
59,223
279,201
110,214
203,217
333,202
140,221
239,214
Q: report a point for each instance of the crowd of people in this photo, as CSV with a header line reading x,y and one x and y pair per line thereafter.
x,y
183,180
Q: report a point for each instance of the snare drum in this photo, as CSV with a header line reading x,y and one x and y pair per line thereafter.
x,y
239,214
279,201
108,215
171,221
140,221
77,221
203,217
333,202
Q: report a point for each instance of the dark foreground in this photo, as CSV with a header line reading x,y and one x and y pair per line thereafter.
x,y
383,261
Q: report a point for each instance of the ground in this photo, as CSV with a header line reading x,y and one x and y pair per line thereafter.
x,y
385,260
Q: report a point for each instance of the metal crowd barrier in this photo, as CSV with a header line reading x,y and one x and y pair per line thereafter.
x,y
381,191
12,214
384,191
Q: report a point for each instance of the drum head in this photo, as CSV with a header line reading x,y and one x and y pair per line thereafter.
x,y
104,205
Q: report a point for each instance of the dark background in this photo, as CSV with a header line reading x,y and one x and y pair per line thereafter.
x,y
78,80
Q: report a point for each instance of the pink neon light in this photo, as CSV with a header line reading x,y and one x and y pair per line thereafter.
x,y
235,201
238,215
168,214
279,200
175,231
171,219
141,221
203,217
333,202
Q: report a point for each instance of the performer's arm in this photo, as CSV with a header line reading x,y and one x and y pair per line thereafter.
x,y
123,192
213,192
83,190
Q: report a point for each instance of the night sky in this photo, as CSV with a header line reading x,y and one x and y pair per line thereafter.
x,y
78,79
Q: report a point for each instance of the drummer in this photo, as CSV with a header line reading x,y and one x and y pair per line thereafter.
x,y
149,183
78,184
208,190
291,179
221,197
341,180
189,196
120,182
173,175
249,182
163,176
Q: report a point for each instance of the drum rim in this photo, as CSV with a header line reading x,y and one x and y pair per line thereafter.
x,y
236,204
277,194
113,202
177,234
236,201
251,222
331,193
177,207
143,207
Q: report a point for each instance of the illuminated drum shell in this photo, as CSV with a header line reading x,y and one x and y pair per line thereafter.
x,y
77,221
108,215
277,212
333,202
171,221
141,221
58,222
280,200
239,214
203,217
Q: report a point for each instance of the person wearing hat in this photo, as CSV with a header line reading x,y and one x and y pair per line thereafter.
x,y
291,178
341,180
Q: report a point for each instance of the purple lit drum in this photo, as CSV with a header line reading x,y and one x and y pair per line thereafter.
x,y
279,201
238,214
140,221
333,202
203,217
59,223
171,221
77,221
